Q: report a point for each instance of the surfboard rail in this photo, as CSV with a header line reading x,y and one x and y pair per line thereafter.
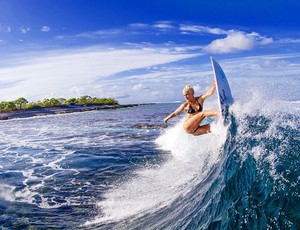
x,y
224,94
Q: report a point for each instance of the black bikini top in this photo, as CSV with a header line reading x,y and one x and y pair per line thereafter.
x,y
191,110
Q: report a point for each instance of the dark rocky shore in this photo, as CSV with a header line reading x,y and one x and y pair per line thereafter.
x,y
58,110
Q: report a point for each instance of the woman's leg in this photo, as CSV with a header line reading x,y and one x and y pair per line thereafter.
x,y
191,126
203,129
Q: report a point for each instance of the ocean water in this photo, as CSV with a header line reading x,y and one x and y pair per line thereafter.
x,y
122,169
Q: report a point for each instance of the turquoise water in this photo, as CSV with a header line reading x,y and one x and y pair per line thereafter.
x,y
121,169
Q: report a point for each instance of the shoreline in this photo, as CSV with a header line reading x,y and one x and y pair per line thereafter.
x,y
58,110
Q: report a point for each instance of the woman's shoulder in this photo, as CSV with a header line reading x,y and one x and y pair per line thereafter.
x,y
200,99
184,104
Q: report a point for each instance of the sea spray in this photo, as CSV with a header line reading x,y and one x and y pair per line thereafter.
x,y
260,186
153,188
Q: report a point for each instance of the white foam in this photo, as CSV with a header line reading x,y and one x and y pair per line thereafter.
x,y
6,192
268,114
153,188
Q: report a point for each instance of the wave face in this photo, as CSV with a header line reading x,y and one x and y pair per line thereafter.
x,y
244,175
156,195
123,170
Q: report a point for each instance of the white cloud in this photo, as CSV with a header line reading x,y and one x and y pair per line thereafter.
x,y
237,41
5,28
289,41
138,28
163,25
24,29
124,74
87,71
201,29
102,33
45,29
266,41
139,25
138,87
93,34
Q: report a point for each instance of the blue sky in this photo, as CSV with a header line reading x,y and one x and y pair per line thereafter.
x,y
141,50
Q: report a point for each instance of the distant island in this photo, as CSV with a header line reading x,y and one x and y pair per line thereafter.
x,y
21,108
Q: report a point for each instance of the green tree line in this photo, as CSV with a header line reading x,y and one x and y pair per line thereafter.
x,y
22,104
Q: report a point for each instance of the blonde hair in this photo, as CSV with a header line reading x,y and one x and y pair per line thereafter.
x,y
188,88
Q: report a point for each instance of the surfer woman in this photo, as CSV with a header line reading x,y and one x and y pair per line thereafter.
x,y
195,113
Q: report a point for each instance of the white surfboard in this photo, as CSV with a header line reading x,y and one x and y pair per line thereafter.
x,y
225,98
